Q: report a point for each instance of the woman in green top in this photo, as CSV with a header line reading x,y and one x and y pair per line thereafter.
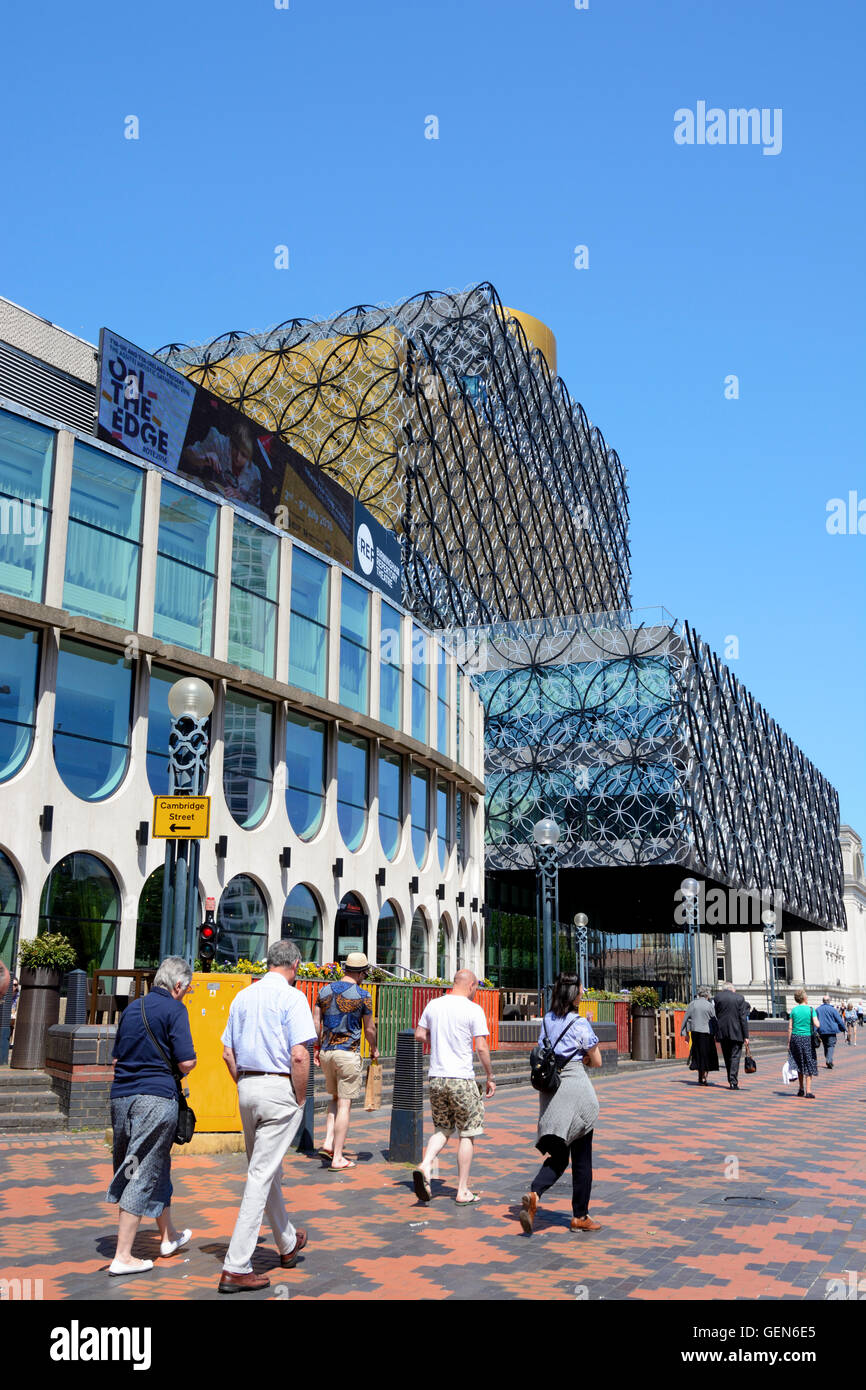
x,y
802,1025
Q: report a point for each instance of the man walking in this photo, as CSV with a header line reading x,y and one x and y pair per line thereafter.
x,y
451,1023
342,1010
265,1049
732,1018
830,1024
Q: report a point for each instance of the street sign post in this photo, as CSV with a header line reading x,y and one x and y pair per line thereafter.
x,y
181,817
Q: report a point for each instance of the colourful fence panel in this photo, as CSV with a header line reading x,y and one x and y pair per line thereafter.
x,y
588,1010
681,1045
310,988
620,1009
489,1001
394,1013
606,1010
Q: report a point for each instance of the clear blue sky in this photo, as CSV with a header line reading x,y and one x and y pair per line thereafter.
x,y
305,126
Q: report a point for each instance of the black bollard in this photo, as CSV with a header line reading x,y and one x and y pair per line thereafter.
x,y
406,1144
306,1140
76,997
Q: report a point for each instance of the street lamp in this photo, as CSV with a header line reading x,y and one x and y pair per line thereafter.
x,y
768,917
581,921
690,889
545,833
190,702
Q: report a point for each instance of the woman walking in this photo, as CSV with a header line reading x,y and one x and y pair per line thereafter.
x,y
802,1039
144,1111
700,1022
567,1116
851,1024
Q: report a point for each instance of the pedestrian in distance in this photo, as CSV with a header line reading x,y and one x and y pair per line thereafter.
x,y
732,1018
567,1116
152,1042
452,1022
700,1021
851,1023
830,1025
802,1042
266,1049
5,979
343,1008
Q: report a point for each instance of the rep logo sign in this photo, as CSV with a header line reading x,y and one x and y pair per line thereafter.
x,y
365,548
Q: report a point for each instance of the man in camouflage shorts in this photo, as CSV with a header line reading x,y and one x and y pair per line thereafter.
x,y
451,1023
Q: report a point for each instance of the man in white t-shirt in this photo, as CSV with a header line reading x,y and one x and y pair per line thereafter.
x,y
451,1023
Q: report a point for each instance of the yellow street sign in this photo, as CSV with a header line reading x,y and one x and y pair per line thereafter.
x,y
181,817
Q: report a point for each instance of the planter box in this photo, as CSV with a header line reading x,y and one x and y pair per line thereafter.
x,y
38,1010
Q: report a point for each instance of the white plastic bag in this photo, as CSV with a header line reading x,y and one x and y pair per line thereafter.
x,y
789,1071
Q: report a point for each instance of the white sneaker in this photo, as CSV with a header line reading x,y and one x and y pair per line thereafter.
x,y
168,1247
117,1268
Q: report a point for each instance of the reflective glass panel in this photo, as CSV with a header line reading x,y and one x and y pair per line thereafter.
x,y
185,569
302,923
390,801
91,718
305,774
247,757
419,685
352,782
10,907
354,645
441,701
388,937
242,921
80,900
418,944
102,547
443,822
19,667
253,608
308,632
420,816
162,678
26,451
149,924
390,668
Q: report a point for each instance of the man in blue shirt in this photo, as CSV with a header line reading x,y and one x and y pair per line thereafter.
x,y
265,1049
342,1009
830,1024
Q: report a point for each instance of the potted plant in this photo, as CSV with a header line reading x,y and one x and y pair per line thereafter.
x,y
42,965
644,1002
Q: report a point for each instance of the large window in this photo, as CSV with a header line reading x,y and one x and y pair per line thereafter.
x,y
391,668
305,774
444,832
443,951
253,606
80,900
302,923
419,685
102,549
185,570
242,922
10,907
149,925
388,937
308,632
248,757
420,815
91,718
461,828
352,781
442,707
19,667
390,801
461,739
354,646
418,944
162,678
26,451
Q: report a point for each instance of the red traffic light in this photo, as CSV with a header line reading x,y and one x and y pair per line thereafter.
x,y
207,933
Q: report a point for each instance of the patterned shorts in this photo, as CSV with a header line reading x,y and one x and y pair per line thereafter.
x,y
456,1104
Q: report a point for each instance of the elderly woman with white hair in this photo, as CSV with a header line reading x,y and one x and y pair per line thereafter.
x,y
153,1042
700,1021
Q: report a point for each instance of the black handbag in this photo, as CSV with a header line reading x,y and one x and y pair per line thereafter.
x,y
749,1064
543,1065
185,1113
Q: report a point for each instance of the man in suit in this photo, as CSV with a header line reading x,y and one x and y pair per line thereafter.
x,y
732,1017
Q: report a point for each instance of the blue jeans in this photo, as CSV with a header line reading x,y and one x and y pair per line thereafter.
x,y
828,1042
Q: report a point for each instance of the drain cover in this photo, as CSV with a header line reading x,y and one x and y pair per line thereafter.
x,y
752,1200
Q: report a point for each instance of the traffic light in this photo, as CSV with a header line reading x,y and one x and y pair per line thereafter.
x,y
207,936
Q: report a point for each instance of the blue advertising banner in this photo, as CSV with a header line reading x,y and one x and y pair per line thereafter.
x,y
377,554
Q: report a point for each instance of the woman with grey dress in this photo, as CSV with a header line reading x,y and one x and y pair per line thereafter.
x,y
567,1115
699,1021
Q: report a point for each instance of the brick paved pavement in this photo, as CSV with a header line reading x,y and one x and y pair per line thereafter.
x,y
675,1226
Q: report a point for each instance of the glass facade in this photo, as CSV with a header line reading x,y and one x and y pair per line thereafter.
x,y
390,668
91,718
253,603
242,921
444,834
26,452
390,802
10,908
388,937
442,941
149,924
162,678
302,923
460,828
80,900
185,570
103,544
442,706
418,944
354,646
248,757
352,782
419,685
308,632
305,774
19,670
461,947
420,814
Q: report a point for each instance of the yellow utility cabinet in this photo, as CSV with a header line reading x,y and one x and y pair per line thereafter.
x,y
212,1093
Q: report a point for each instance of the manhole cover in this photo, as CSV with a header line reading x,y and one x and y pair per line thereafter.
x,y
752,1201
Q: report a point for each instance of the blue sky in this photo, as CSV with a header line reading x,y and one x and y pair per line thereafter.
x,y
305,127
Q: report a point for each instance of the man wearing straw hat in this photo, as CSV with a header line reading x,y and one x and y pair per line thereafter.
x,y
342,1009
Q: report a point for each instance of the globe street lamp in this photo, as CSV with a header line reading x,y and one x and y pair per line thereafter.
x,y
581,921
545,833
190,702
690,889
768,917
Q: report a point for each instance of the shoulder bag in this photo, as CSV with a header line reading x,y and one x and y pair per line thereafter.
x,y
185,1113
543,1069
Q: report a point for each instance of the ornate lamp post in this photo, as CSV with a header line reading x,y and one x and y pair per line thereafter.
x,y
190,702
690,889
768,917
581,921
545,833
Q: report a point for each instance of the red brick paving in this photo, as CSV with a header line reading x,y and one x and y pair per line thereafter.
x,y
662,1149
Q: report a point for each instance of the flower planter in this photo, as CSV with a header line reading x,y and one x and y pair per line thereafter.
x,y
38,1010
643,1034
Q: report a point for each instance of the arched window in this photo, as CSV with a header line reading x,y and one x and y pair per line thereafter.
x,y
149,925
248,757
443,942
305,774
242,920
350,927
388,937
444,834
390,802
418,944
91,718
10,909
19,665
80,900
302,923
420,814
352,779
162,678
461,946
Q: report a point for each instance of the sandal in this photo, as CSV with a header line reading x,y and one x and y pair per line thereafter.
x,y
342,1167
423,1190
329,1153
472,1198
